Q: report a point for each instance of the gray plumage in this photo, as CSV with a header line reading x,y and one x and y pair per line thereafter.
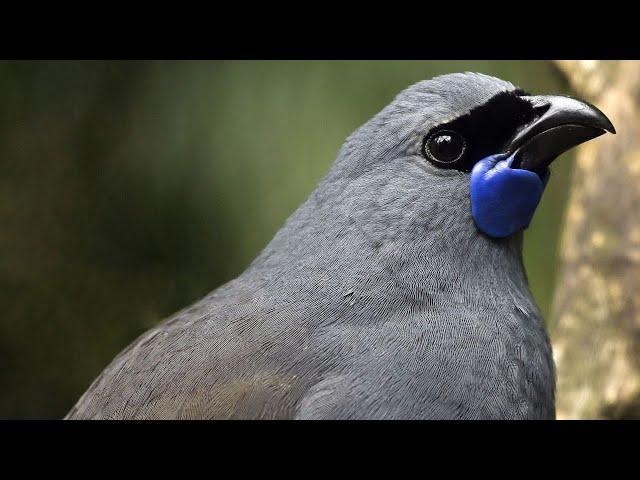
x,y
377,299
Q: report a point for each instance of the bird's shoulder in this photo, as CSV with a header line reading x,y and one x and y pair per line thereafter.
x,y
220,358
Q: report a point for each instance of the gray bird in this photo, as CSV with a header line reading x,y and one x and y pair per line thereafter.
x,y
395,291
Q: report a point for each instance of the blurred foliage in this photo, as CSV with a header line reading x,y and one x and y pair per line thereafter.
x,y
130,189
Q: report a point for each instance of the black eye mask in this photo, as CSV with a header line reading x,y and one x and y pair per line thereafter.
x,y
484,131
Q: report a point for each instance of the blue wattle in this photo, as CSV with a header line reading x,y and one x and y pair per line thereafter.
x,y
504,199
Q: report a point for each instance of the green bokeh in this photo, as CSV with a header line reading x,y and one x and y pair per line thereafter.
x,y
130,189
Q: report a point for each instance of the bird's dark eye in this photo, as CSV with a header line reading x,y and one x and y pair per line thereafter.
x,y
444,147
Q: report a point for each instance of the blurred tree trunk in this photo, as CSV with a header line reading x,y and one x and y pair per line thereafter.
x,y
596,311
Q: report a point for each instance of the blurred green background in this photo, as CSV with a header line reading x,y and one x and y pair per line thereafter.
x,y
130,189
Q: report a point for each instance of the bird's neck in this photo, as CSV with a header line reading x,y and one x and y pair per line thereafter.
x,y
324,251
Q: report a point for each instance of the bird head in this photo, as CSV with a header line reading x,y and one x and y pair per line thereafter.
x,y
432,193
475,147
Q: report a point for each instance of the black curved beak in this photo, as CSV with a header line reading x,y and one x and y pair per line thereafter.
x,y
561,124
